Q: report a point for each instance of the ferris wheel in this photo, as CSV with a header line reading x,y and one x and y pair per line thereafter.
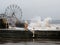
x,y
13,13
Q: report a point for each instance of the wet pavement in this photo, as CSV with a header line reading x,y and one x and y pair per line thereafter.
x,y
11,41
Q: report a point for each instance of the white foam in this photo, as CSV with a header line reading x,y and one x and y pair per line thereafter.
x,y
37,24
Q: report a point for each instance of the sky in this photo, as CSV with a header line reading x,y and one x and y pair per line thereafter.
x,y
34,8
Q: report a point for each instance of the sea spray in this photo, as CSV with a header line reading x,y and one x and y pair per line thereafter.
x,y
38,24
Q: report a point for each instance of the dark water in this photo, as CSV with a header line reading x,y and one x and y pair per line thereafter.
x,y
8,41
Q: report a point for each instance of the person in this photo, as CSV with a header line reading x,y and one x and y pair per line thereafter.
x,y
4,23
26,25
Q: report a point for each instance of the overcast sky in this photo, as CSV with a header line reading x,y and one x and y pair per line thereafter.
x,y
33,8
